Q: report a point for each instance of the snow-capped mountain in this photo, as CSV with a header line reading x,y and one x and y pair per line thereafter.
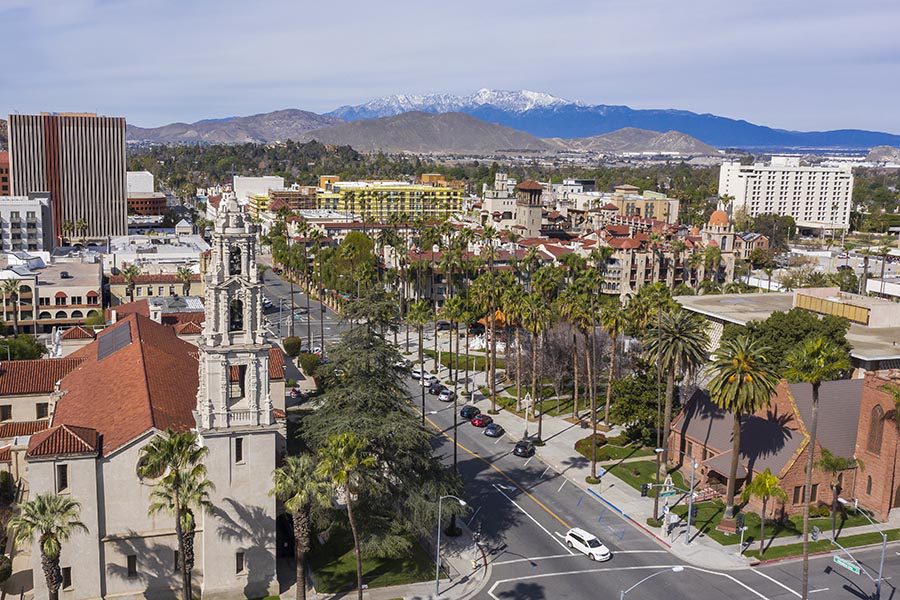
x,y
520,101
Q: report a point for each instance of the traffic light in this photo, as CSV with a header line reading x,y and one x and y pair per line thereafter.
x,y
815,534
645,490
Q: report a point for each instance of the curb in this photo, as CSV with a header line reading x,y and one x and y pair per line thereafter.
x,y
784,559
639,525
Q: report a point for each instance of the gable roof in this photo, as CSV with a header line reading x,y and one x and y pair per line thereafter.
x,y
77,333
37,376
189,328
64,439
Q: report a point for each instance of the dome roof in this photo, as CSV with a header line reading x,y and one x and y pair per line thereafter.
x,y
719,218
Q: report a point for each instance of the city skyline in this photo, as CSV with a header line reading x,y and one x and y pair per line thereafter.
x,y
161,62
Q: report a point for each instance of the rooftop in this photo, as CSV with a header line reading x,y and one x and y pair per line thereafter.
x,y
158,244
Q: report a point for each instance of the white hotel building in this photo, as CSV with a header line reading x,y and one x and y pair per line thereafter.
x,y
816,197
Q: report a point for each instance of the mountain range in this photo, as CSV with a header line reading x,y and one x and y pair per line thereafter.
x,y
630,139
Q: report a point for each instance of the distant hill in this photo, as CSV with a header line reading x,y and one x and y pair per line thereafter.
x,y
888,154
630,139
290,124
425,133
548,116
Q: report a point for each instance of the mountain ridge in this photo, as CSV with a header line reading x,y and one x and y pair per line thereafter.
x,y
630,139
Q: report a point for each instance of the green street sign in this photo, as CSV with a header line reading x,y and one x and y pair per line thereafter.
x,y
666,493
847,565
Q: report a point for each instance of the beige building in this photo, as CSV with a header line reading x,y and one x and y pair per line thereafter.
x,y
624,201
151,285
60,294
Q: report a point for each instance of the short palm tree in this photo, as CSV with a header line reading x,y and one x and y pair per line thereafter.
x,y
814,361
295,483
67,228
81,228
742,382
10,289
835,466
344,462
51,520
184,275
175,460
615,323
764,486
130,272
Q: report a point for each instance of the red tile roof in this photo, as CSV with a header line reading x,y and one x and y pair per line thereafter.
x,y
38,376
214,201
153,278
149,383
16,428
182,318
558,251
64,439
529,185
6,454
189,328
624,243
276,363
609,206
78,333
618,229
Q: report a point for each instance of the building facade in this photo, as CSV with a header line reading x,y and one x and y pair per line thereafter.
x,y
56,295
80,160
816,197
4,174
26,223
379,200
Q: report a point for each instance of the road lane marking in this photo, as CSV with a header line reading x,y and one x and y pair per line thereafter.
x,y
528,461
544,529
819,590
561,486
521,560
775,581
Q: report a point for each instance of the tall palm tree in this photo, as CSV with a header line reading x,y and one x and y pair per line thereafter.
x,y
835,466
176,460
51,520
536,319
489,237
614,321
184,275
10,290
695,261
81,227
743,381
130,272
513,307
712,258
419,314
678,346
814,361
295,483
343,462
764,486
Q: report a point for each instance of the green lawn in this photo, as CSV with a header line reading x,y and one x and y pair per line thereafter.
x,y
616,448
334,566
851,541
710,513
638,473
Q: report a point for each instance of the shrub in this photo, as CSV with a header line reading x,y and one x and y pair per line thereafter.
x,y
308,363
583,446
7,487
289,383
292,346
5,568
654,522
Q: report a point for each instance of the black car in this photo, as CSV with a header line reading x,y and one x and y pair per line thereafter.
x,y
524,448
476,329
494,430
435,388
443,326
469,412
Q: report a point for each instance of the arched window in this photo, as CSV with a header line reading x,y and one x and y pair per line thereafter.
x,y
236,315
876,430
76,314
724,244
61,314
869,485
234,261
45,315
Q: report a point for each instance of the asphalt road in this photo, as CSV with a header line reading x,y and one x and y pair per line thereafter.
x,y
321,322
522,509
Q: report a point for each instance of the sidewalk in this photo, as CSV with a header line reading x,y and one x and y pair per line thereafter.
x,y
892,523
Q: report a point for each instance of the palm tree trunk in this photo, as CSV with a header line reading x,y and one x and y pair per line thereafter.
x,y
466,381
534,397
593,399
52,575
732,471
612,368
493,355
356,550
301,534
518,373
422,370
186,590
762,526
807,487
575,376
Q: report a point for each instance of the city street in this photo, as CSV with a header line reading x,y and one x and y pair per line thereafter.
x,y
522,509
320,322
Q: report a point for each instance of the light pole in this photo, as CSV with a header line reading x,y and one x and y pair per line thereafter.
x,y
687,536
677,569
437,550
883,535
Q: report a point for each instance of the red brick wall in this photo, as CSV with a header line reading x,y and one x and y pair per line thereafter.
x,y
882,467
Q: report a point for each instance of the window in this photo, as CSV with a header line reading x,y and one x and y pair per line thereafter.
x,y
132,565
234,261
236,315
690,449
76,300
137,292
60,301
814,493
159,291
239,450
239,562
42,409
66,573
62,478
876,430
44,301
869,485
6,412
798,494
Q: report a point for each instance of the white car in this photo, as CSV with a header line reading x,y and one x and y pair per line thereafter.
x,y
586,543
425,378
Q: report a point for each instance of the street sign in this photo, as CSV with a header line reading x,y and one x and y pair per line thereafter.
x,y
847,565
666,493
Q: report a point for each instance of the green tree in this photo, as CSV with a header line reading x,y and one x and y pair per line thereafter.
x,y
184,275
81,228
419,314
814,361
296,484
50,520
10,290
743,381
344,461
536,319
764,486
22,347
130,272
175,460
614,321
835,466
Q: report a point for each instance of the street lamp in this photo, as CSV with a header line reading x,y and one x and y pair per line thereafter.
x,y
437,551
883,535
677,569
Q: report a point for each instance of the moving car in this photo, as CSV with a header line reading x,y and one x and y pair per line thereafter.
x,y
469,412
494,430
436,388
587,543
443,326
447,395
425,378
266,302
524,448
482,420
476,329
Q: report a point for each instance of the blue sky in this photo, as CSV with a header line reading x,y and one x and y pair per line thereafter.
x,y
795,64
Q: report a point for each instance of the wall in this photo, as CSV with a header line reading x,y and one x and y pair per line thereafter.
x,y
24,407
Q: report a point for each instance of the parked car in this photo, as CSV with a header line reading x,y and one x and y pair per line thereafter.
x,y
442,326
402,364
482,420
469,412
447,395
266,302
436,388
587,543
476,329
524,448
844,268
494,430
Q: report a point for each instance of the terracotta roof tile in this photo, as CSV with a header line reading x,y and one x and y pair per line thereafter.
x,y
6,454
276,363
38,376
529,185
189,328
64,439
78,333
624,243
153,278
609,206
16,428
618,229
140,307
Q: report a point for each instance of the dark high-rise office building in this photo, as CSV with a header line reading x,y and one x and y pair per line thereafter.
x,y
80,160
